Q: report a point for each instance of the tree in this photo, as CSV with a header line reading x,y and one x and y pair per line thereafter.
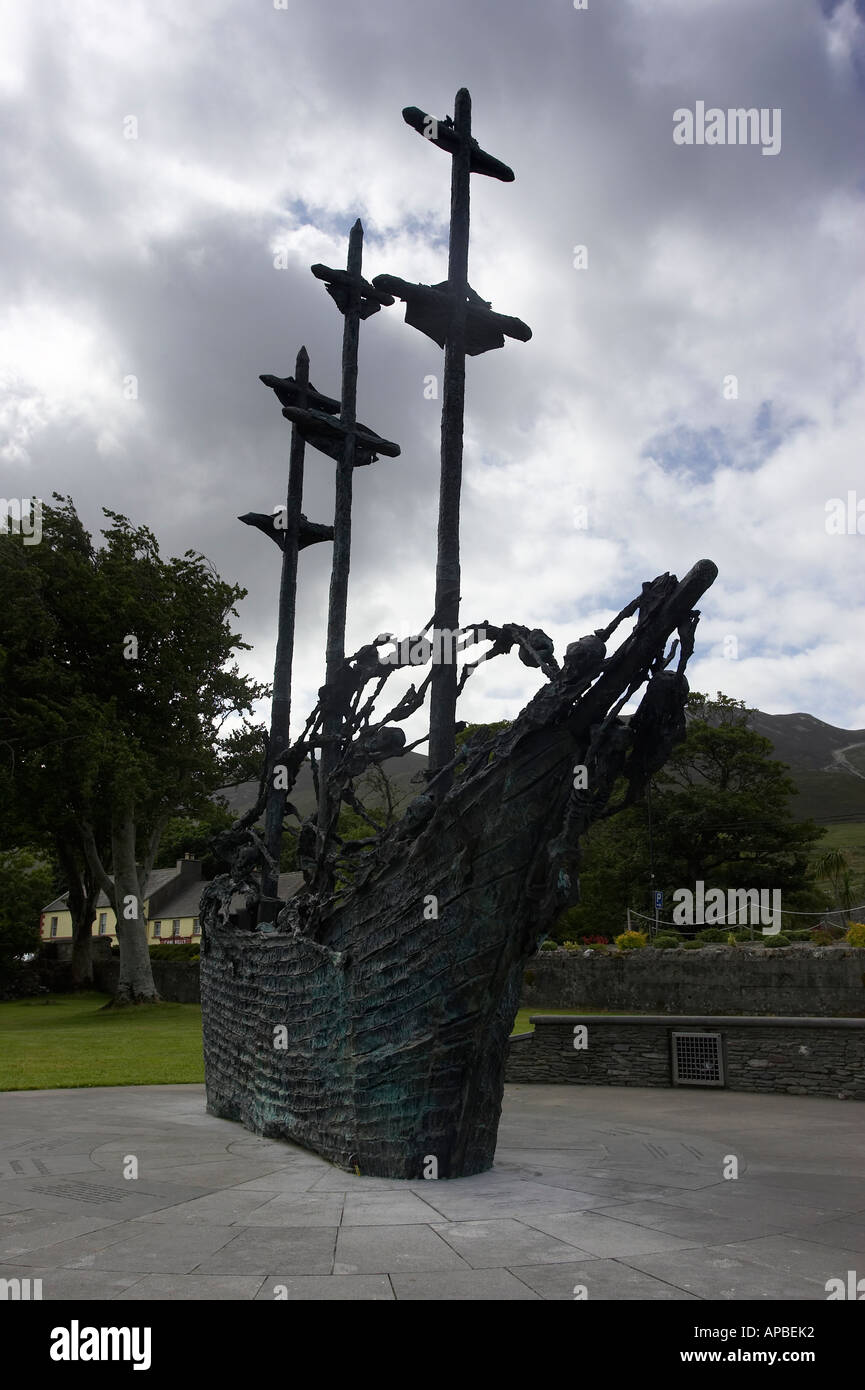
x,y
720,812
26,885
117,681
833,866
193,835
39,758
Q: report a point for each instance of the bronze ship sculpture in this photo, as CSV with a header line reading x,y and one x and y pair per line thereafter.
x,y
367,1017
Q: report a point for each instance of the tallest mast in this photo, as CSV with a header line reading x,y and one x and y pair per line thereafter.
x,y
463,324
443,685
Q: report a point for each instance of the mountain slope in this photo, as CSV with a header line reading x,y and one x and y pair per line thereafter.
x,y
827,764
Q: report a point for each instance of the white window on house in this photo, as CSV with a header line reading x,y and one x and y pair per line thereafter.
x,y
175,926
157,928
53,926
103,923
196,927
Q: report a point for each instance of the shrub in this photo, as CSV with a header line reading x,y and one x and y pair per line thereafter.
x,y
693,945
834,933
824,934
631,940
549,945
779,940
572,945
666,943
189,951
595,940
855,934
714,934
731,940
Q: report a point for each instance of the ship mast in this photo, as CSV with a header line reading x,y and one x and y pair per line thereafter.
x,y
458,320
292,532
352,445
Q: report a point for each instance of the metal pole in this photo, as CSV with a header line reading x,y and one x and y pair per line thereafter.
x,y
338,604
651,849
443,685
280,714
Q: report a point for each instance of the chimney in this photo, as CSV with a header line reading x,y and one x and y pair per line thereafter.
x,y
189,870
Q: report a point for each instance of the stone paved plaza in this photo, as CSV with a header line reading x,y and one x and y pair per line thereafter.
x,y
616,1189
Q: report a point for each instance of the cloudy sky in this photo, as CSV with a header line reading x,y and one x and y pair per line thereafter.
x,y
170,171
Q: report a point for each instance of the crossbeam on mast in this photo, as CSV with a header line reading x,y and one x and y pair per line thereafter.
x,y
455,317
294,535
352,445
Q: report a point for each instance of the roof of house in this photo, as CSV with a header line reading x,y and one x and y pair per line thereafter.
x,y
158,878
182,900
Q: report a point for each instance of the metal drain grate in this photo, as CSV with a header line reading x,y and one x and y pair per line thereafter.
x,y
80,1191
698,1059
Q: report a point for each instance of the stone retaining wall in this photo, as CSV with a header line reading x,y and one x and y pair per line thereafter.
x,y
793,1056
177,981
811,981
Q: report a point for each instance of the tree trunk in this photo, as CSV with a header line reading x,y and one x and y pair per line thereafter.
x,y
135,985
83,892
82,934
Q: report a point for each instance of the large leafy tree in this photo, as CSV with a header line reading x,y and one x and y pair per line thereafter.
x,y
719,810
26,882
41,754
118,676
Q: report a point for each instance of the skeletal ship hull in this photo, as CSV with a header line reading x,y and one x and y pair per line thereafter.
x,y
380,1039
396,1052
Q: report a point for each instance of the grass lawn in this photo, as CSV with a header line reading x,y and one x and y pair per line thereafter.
x,y
60,1040
850,839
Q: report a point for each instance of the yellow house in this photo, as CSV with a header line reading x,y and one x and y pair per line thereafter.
x,y
170,907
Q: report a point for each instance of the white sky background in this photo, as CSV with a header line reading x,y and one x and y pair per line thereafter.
x,y
261,129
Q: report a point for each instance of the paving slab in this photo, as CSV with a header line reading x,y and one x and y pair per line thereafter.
x,y
594,1280
393,1250
291,1179
79,1251
488,1285
331,1287
99,1193
298,1209
797,1255
617,1190
24,1231
716,1272
74,1284
158,1249
687,1222
391,1208
850,1234
191,1287
216,1209
509,1197
604,1235
491,1244
285,1251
